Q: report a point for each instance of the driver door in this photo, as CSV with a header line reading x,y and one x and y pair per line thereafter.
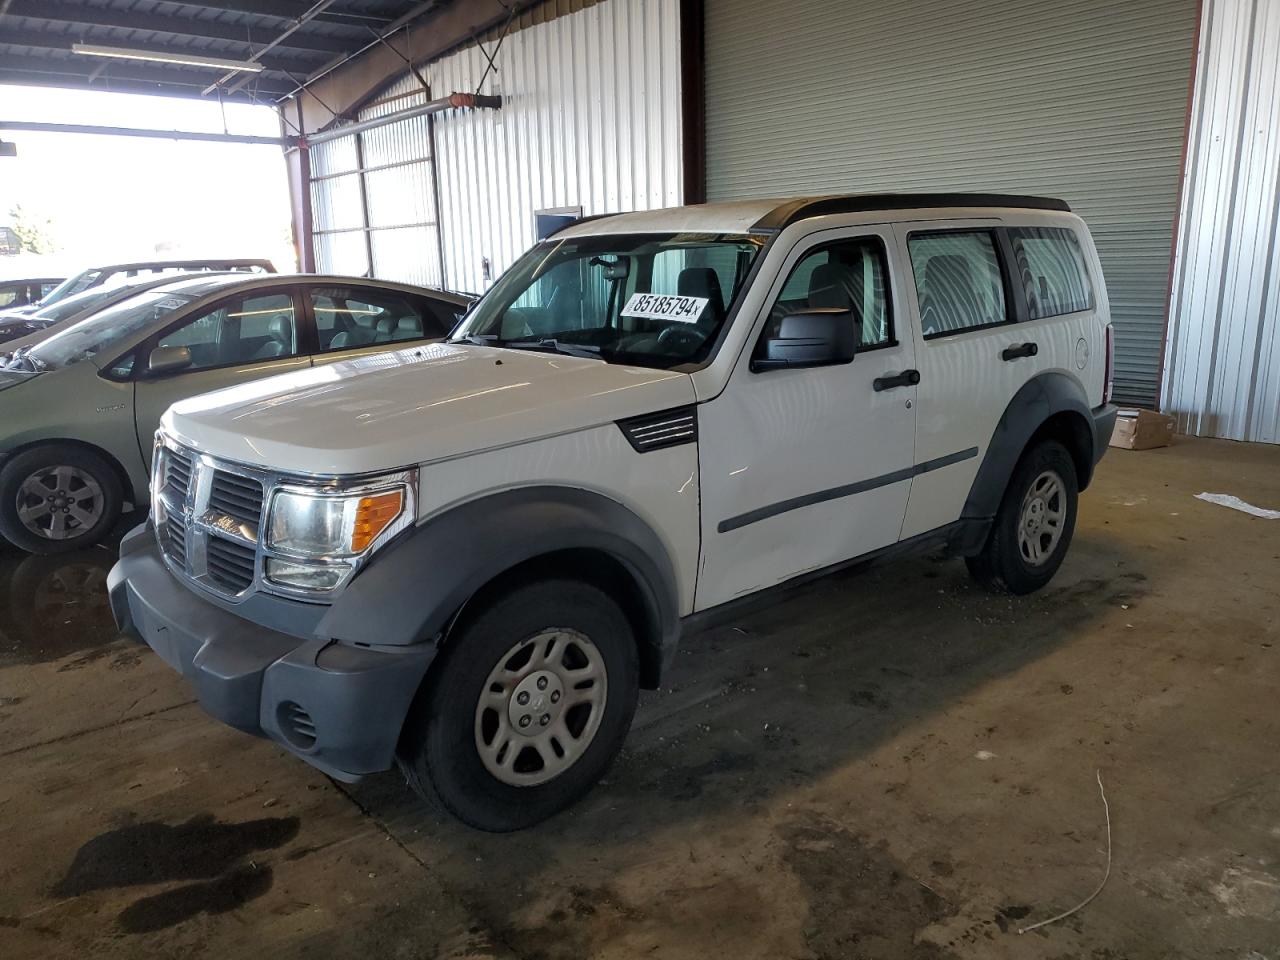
x,y
245,337
804,468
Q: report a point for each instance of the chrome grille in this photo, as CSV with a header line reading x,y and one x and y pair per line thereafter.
x,y
231,565
237,496
177,474
207,515
175,541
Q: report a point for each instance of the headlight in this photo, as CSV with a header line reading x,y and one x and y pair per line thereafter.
x,y
319,525
316,538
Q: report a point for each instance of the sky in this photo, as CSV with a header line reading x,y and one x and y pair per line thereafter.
x,y
113,199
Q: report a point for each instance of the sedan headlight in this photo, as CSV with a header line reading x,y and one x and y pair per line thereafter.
x,y
317,537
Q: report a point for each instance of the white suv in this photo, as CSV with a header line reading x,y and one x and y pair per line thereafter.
x,y
469,556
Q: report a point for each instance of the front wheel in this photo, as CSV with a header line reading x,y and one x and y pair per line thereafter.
x,y
525,708
58,497
1033,528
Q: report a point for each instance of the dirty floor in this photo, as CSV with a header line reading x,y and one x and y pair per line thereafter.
x,y
886,764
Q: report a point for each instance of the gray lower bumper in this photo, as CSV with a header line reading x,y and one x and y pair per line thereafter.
x,y
1104,422
339,707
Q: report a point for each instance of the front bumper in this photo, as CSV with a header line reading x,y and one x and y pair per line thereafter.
x,y
339,707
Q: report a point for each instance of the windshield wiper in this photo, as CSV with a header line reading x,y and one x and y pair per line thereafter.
x,y
479,339
552,345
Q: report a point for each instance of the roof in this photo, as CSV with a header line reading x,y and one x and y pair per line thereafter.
x,y
201,285
292,39
770,216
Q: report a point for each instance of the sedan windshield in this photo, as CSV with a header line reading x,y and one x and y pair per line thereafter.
x,y
78,303
654,299
104,330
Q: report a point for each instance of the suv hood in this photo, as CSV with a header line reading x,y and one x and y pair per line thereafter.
x,y
427,403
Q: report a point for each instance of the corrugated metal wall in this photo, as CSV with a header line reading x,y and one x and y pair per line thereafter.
x,y
1082,99
591,118
1222,368
372,197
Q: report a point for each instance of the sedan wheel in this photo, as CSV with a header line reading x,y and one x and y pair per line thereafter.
x,y
60,502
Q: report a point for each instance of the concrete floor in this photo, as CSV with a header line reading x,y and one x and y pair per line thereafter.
x,y
887,764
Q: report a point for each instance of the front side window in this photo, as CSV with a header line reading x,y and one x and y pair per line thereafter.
x,y
958,281
848,275
351,317
655,299
1052,271
248,329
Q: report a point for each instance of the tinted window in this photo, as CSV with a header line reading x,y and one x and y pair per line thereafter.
x,y
246,329
958,281
350,317
1052,271
848,274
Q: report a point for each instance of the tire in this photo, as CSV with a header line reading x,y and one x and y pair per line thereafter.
x,y
86,505
520,784
1017,564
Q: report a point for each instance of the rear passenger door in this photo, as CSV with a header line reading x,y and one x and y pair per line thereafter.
x,y
354,321
976,346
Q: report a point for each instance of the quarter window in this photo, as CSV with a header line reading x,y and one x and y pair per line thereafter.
x,y
847,274
242,330
958,281
1052,271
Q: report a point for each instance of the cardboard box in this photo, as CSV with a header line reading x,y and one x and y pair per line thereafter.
x,y
1142,430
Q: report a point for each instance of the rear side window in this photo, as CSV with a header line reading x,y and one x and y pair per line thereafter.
x,y
958,281
351,317
1052,271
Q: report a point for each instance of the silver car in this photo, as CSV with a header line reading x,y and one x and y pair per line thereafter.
x,y
79,409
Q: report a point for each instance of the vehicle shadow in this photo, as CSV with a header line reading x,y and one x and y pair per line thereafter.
x,y
766,707
54,606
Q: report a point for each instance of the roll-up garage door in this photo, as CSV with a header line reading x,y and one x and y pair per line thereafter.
x,y
1080,99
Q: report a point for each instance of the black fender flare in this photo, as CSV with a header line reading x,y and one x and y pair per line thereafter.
x,y
1040,398
411,590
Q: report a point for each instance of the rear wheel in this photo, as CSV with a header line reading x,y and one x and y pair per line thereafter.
x,y
57,498
1034,525
525,708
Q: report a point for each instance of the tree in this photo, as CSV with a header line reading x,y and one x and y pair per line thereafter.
x,y
34,236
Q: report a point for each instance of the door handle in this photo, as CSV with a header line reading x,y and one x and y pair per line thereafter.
x,y
907,378
1019,350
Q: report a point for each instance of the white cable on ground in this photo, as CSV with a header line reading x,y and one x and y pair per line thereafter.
x,y
1106,809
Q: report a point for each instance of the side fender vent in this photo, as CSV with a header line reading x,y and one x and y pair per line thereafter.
x,y
668,428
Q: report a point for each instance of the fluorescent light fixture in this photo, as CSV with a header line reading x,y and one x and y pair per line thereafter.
x,y
188,60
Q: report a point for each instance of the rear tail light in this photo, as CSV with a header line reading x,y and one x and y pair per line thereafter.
x,y
1108,387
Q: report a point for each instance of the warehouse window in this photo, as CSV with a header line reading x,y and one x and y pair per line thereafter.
x,y
1052,271
958,281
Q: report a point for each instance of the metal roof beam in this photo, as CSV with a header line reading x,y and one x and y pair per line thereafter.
x,y
58,72
164,23
287,10
284,62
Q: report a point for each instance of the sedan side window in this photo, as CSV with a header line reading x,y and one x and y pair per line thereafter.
x,y
248,329
352,317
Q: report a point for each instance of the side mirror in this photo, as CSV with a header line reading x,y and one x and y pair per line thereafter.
x,y
817,337
168,360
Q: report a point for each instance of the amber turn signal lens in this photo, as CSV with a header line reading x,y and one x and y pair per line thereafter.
x,y
373,515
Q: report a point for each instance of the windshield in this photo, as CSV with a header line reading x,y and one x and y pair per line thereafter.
x,y
102,331
72,305
69,286
654,299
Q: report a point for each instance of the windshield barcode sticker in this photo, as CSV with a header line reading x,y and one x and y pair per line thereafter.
x,y
660,306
